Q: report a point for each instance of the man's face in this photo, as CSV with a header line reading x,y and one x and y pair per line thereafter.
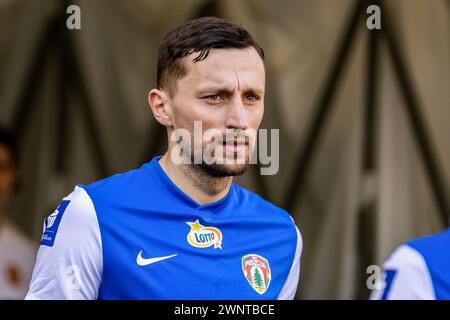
x,y
225,91
7,174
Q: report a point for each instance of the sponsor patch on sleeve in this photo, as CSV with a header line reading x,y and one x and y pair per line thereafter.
x,y
51,224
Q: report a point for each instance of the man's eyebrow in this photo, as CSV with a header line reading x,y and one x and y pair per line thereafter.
x,y
215,90
255,91
225,90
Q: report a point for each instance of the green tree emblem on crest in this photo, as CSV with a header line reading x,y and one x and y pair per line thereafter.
x,y
257,280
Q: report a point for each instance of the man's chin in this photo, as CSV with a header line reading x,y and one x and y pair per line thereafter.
x,y
223,170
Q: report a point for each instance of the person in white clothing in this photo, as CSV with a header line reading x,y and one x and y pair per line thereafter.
x,y
17,253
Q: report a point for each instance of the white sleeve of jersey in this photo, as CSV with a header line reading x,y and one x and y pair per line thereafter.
x,y
406,277
72,267
290,286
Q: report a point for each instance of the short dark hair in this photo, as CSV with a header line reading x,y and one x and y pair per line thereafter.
x,y
199,35
8,140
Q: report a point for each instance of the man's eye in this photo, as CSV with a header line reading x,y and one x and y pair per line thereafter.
x,y
251,98
214,97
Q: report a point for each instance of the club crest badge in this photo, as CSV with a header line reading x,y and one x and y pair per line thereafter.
x,y
203,237
257,272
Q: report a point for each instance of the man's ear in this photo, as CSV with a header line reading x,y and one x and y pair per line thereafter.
x,y
158,101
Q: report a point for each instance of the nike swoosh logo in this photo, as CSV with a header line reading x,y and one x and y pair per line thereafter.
x,y
145,262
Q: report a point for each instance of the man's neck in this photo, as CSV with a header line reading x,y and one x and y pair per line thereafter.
x,y
197,184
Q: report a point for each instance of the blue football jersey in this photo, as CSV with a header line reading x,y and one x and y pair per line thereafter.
x,y
136,235
418,270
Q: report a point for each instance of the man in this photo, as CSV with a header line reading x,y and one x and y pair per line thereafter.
x,y
17,253
171,230
418,270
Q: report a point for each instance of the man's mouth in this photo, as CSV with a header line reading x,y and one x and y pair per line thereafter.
x,y
235,145
235,142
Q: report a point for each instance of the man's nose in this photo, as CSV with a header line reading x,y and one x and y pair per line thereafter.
x,y
236,116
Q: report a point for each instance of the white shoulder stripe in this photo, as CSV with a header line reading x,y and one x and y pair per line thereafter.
x,y
410,278
290,286
71,268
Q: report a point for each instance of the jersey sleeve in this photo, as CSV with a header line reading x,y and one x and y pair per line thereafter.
x,y
69,261
405,277
290,287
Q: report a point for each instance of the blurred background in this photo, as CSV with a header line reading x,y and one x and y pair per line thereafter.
x,y
363,115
